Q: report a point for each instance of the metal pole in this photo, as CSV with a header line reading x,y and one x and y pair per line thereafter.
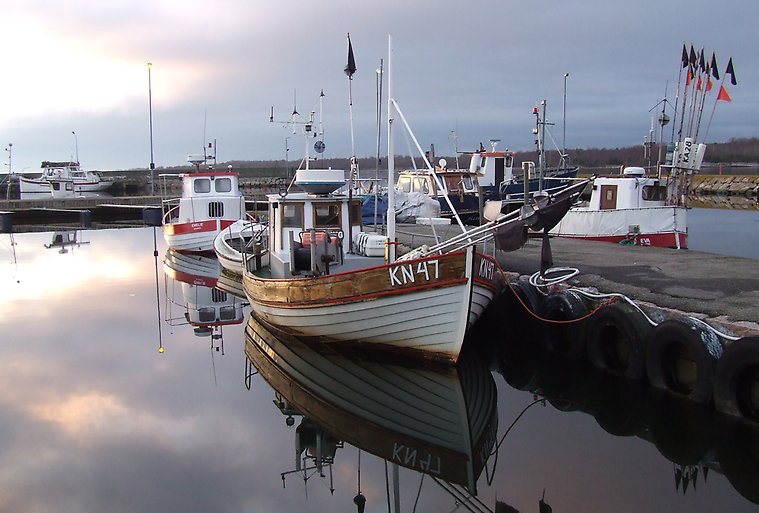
x,y
150,111
564,121
76,146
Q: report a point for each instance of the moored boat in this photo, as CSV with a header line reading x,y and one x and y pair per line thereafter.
x,y
238,236
79,179
631,208
210,202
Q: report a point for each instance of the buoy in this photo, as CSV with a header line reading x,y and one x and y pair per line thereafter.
x,y
616,340
681,357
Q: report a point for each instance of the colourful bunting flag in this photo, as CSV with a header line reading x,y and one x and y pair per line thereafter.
x,y
715,71
731,72
723,94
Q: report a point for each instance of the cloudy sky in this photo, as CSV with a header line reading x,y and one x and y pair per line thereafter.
x,y
76,76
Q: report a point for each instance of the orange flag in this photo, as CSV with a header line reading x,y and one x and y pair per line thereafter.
x,y
723,94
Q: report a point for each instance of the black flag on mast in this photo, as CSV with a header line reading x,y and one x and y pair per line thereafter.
x,y
350,69
730,71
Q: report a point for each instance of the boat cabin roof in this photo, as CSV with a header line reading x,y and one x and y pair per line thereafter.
x,y
207,183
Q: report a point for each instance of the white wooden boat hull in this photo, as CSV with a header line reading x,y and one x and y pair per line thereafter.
x,y
194,236
662,226
228,254
423,305
38,186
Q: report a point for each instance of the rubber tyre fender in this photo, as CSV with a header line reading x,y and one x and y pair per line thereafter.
x,y
564,338
681,357
521,297
616,340
736,382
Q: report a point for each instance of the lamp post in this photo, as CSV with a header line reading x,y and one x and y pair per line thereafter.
x,y
150,114
76,146
564,121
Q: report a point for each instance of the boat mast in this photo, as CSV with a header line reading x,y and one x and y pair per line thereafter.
x,y
390,156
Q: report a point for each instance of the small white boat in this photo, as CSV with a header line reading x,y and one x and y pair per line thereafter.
x,y
630,209
210,202
241,235
438,420
80,180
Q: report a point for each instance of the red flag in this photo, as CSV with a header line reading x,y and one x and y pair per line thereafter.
x,y
708,83
689,77
723,94
698,84
731,72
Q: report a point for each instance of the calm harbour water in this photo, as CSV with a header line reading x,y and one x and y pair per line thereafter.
x,y
96,419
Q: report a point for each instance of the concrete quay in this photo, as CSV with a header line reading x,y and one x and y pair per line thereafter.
x,y
721,290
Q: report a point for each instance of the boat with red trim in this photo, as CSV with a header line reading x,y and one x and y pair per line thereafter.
x,y
210,202
630,208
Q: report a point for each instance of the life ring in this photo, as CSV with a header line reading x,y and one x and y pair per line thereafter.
x,y
736,382
616,340
681,357
564,330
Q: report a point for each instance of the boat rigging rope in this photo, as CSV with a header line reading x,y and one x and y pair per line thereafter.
x,y
494,452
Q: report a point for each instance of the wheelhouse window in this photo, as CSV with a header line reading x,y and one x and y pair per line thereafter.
x,y
356,212
404,184
327,215
468,182
201,185
421,185
654,193
292,215
223,184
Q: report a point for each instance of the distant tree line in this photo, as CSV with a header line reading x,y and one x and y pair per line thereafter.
x,y
734,151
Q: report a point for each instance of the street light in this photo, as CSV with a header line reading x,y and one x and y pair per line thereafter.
x,y
76,146
564,122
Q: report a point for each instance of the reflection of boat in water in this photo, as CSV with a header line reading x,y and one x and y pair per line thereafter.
x,y
440,421
62,240
207,307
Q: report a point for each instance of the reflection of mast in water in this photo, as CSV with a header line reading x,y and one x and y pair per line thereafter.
x,y
439,421
13,253
157,294
63,239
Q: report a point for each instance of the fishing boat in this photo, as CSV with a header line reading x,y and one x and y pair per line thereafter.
x,y
210,202
231,241
330,278
322,282
630,208
69,171
438,420
489,177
